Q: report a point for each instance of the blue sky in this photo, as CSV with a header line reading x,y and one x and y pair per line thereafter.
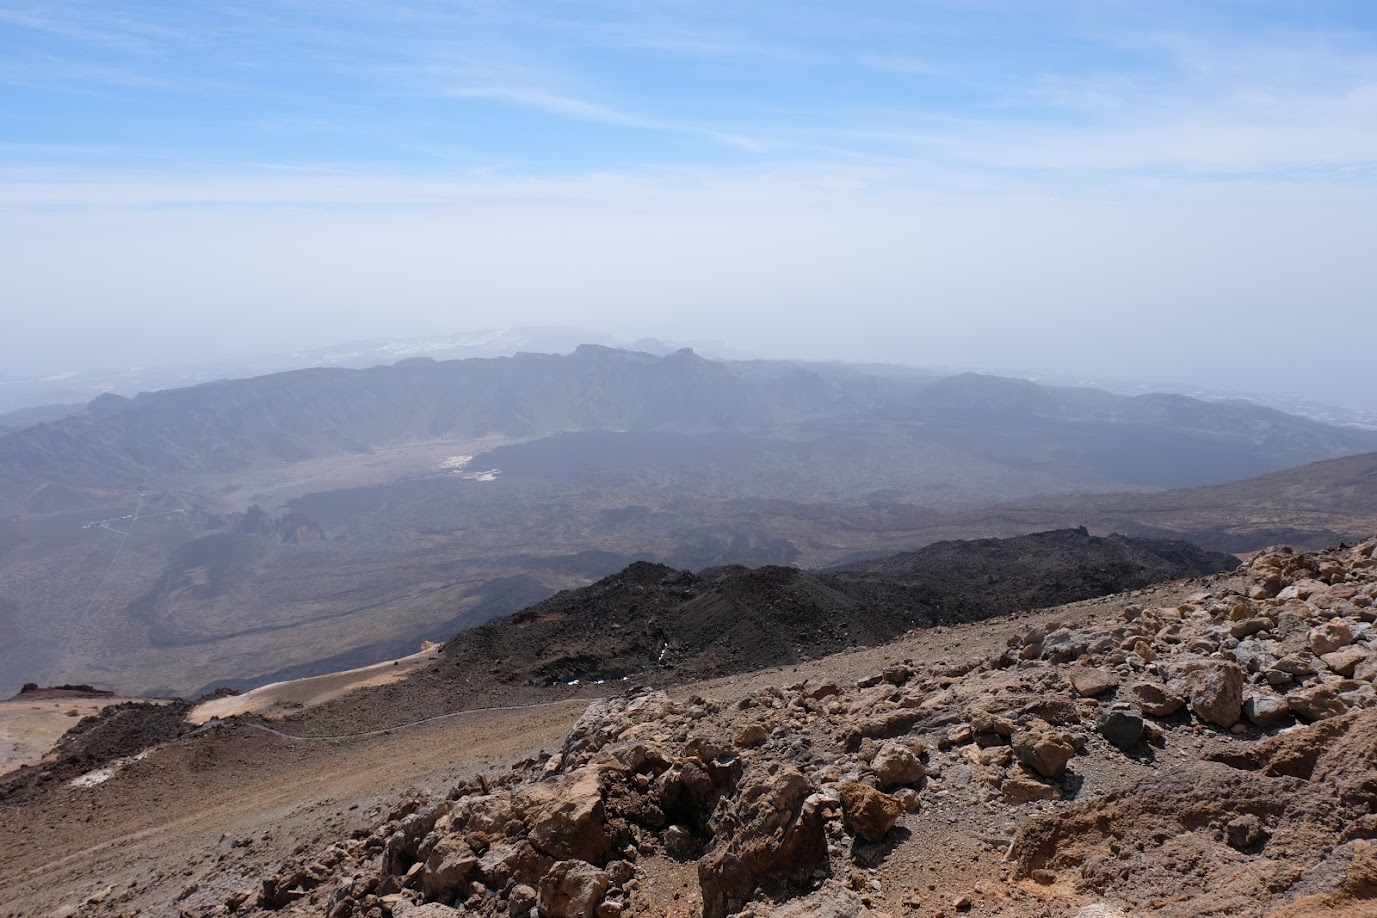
x,y
983,182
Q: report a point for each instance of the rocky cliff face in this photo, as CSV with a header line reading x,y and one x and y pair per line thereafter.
x,y
1209,753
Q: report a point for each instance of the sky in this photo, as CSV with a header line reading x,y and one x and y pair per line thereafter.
x,y
1158,190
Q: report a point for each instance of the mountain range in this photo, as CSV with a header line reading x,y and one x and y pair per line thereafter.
x,y
276,526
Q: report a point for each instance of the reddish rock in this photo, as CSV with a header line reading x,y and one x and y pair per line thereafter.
x,y
868,812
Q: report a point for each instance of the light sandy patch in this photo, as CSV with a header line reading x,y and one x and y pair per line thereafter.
x,y
279,699
101,775
30,727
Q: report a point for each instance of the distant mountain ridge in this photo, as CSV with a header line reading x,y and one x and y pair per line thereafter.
x,y
303,414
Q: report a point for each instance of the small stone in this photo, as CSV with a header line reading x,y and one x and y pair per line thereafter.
x,y
520,901
1044,751
895,764
985,722
752,735
1244,831
1022,788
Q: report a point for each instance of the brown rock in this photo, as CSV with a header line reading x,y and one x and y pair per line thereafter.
x,y
982,721
752,735
1316,702
1023,788
1216,694
571,889
820,688
567,817
895,764
1346,660
1331,636
1044,751
451,866
1155,699
1091,681
772,829
832,901
868,812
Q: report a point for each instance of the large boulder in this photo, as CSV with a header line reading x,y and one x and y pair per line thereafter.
x,y
1216,694
832,901
770,832
1043,750
451,866
567,818
572,889
868,812
895,765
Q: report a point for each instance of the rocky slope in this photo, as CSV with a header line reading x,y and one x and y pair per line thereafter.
x,y
1214,757
1207,747
652,621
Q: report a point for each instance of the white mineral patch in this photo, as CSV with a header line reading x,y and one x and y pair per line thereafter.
x,y
101,775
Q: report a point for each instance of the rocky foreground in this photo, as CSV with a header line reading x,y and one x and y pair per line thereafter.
x,y
1216,755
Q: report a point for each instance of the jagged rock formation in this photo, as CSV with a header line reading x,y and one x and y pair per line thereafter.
x,y
651,617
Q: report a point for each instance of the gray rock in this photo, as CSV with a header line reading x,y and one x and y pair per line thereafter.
x,y
1266,710
1122,726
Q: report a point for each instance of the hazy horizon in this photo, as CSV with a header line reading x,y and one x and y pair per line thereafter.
x,y
1162,191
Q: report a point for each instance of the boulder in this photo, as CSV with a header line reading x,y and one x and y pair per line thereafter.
x,y
1216,694
832,901
1331,636
571,889
771,829
450,868
1266,710
1091,681
895,765
1155,699
1043,750
1122,726
867,812
567,818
